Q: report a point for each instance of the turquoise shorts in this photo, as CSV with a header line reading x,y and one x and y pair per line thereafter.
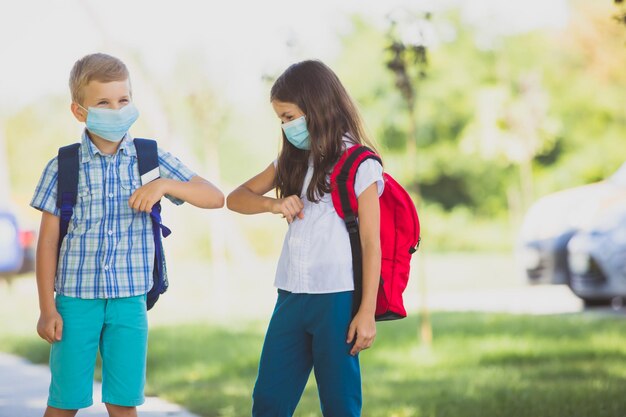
x,y
116,326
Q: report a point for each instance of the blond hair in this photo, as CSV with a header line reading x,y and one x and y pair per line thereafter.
x,y
99,67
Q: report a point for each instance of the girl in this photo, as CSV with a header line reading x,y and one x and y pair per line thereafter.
x,y
312,325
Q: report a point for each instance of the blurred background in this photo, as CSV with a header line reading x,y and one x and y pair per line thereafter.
x,y
505,121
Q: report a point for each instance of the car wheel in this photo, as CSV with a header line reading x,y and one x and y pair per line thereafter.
x,y
596,302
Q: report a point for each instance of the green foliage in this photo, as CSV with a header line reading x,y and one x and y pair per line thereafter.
x,y
480,365
579,136
462,230
33,137
579,70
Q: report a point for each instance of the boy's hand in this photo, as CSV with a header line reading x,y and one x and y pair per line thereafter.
x,y
147,195
290,207
363,326
50,327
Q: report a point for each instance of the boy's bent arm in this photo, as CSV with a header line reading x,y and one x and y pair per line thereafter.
x,y
197,191
50,324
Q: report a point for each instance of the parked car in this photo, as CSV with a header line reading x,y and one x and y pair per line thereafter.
x,y
553,220
597,256
17,246
28,241
548,226
11,252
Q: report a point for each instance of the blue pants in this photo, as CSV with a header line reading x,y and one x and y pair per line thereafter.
x,y
308,331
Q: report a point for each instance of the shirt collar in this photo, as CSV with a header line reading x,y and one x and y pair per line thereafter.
x,y
89,150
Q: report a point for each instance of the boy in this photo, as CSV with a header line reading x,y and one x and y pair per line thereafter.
x,y
104,267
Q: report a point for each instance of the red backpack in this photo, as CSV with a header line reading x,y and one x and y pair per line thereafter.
x,y
399,232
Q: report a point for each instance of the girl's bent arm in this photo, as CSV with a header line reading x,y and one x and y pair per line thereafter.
x,y
249,197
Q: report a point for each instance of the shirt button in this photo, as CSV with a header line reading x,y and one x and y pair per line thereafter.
x,y
106,267
110,195
110,232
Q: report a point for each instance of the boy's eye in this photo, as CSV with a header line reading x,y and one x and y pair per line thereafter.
x,y
124,100
103,102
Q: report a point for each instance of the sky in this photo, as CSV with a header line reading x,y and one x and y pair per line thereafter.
x,y
238,40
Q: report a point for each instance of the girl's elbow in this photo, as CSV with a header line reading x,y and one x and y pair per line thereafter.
x,y
233,201
230,201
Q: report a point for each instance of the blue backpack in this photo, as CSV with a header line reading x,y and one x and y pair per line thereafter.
x,y
67,189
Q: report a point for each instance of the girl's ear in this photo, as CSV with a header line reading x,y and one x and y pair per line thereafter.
x,y
78,112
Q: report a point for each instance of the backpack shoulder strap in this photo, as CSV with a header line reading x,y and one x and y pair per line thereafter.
x,y
147,159
343,177
148,163
67,185
345,202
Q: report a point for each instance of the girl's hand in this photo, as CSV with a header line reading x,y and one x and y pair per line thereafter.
x,y
50,326
290,207
147,195
363,326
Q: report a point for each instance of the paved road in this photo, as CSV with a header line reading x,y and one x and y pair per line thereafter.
x,y
24,391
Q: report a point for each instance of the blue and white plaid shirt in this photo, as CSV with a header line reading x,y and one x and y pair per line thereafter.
x,y
108,251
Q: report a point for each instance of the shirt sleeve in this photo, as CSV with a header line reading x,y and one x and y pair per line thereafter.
x,y
171,167
45,198
369,172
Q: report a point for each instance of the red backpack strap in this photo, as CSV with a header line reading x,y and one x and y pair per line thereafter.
x,y
344,172
345,202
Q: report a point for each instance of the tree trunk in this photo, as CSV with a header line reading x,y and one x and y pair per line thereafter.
x,y
425,331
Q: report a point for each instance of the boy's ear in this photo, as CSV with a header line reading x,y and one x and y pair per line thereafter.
x,y
79,114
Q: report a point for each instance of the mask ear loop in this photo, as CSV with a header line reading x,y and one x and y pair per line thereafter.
x,y
86,111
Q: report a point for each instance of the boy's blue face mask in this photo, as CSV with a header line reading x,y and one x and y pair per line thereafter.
x,y
110,124
297,133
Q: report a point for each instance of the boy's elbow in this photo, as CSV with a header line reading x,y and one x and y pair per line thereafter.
x,y
217,201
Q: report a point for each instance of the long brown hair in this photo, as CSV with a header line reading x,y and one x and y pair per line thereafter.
x,y
330,114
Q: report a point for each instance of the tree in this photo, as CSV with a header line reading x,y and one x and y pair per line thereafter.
x,y
621,16
513,124
408,61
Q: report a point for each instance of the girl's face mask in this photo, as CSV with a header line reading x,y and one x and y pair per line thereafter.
x,y
297,133
111,124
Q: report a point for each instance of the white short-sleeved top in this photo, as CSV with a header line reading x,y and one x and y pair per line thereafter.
x,y
316,256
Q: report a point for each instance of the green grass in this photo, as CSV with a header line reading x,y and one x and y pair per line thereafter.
x,y
479,365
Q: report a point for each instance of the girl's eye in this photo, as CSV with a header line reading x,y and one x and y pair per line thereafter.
x,y
124,100
101,103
